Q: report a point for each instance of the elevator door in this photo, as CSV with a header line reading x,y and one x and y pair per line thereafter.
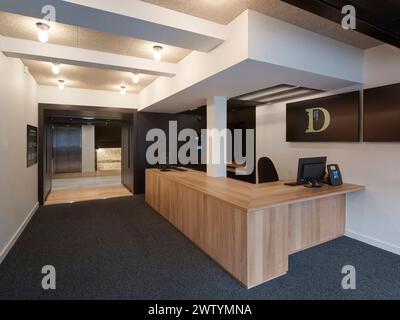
x,y
67,149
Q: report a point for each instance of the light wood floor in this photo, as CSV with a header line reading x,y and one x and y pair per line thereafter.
x,y
73,175
85,194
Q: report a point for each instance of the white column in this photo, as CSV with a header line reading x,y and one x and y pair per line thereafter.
x,y
88,149
216,119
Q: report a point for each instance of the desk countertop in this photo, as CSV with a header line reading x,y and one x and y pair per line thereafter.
x,y
249,196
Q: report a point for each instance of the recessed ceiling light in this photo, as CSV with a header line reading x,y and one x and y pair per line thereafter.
x,y
135,78
289,95
43,32
56,68
265,92
61,85
157,52
123,90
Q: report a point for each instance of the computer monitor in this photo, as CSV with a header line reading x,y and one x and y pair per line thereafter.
x,y
311,169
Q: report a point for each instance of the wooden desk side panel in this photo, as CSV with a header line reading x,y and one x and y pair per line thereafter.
x,y
267,244
316,221
216,227
152,193
192,207
225,234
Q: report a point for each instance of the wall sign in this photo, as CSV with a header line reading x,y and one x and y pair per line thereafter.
x,y
382,114
333,118
32,145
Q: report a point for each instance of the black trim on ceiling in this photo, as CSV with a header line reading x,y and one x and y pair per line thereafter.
x,y
83,121
377,19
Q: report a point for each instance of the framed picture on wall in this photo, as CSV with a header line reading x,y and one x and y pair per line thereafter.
x,y
327,119
32,145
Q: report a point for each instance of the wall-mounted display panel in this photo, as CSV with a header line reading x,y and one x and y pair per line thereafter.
x,y
32,145
382,114
327,119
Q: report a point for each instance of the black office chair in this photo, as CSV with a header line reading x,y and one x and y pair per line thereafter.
x,y
266,170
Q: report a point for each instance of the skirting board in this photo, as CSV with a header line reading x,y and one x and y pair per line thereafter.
x,y
373,242
16,235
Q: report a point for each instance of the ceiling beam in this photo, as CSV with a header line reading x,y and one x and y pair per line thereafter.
x,y
26,49
131,18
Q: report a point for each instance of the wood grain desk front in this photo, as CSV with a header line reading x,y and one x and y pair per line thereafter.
x,y
248,229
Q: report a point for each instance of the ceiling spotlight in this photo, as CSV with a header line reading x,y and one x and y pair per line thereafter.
x,y
43,32
61,85
123,90
56,68
157,52
135,78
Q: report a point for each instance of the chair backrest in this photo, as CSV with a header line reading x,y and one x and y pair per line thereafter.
x,y
266,170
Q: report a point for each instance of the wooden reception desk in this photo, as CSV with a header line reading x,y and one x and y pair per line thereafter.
x,y
248,229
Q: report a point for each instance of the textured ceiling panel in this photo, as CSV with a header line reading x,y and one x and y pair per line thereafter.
x,y
17,26
86,78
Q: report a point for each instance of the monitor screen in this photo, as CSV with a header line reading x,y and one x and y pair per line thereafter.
x,y
382,114
311,169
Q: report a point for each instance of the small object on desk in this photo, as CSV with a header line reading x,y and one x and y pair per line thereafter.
x,y
292,184
235,165
334,175
178,169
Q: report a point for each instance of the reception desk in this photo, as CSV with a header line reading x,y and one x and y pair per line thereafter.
x,y
249,230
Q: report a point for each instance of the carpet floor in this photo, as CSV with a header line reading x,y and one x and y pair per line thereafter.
x,y
122,249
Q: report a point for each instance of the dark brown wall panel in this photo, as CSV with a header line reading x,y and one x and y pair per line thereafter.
x,y
328,119
382,114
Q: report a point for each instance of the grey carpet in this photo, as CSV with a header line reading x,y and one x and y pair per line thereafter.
x,y
122,249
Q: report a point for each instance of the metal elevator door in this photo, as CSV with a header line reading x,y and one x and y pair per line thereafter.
x,y
67,149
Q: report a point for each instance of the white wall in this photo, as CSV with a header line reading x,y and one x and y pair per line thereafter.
x,y
88,148
281,43
373,216
18,184
382,66
85,97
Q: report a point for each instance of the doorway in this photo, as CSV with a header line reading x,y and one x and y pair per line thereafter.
x,y
85,153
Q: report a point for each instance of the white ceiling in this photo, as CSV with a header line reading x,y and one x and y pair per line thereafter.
x,y
252,75
17,26
220,11
22,27
224,11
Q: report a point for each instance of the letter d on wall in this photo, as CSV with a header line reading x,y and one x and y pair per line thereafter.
x,y
314,111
